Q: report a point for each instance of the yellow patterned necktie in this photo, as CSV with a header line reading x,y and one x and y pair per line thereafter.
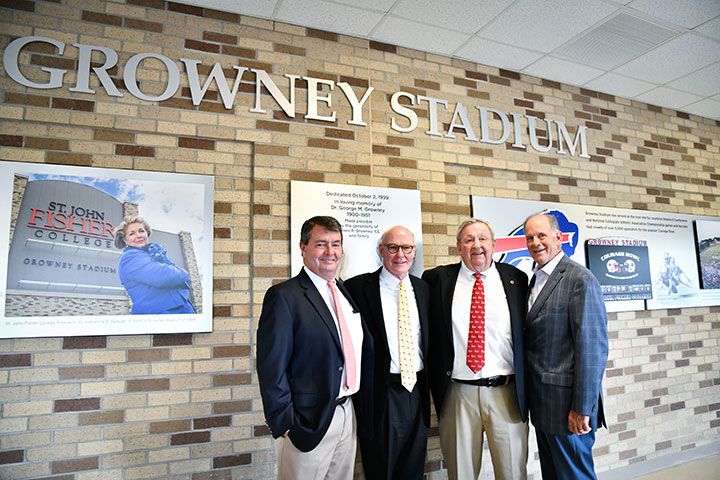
x,y
406,341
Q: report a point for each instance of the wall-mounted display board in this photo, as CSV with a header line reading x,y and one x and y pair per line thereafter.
x,y
62,273
365,213
642,259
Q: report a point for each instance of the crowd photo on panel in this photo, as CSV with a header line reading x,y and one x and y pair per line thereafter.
x,y
356,363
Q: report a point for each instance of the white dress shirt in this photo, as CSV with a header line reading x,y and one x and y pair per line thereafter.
x,y
351,318
498,332
389,291
541,277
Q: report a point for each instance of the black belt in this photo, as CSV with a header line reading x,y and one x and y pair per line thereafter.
x,y
397,378
489,381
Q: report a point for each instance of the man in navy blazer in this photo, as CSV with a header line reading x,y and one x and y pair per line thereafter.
x,y
314,354
490,401
566,348
398,445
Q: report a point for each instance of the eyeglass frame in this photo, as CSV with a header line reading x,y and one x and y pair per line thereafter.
x,y
394,249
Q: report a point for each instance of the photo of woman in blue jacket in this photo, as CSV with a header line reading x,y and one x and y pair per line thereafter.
x,y
153,282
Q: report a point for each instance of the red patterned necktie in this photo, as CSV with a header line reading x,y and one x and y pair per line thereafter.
x,y
476,335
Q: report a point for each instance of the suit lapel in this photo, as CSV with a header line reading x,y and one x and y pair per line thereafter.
x,y
372,299
316,300
422,313
448,288
510,292
550,285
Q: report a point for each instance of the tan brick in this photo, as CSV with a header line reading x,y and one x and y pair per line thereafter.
x,y
149,471
99,448
44,422
25,440
102,388
191,353
18,409
145,414
54,452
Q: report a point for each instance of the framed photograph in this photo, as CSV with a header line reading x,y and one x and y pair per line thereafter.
x,y
91,251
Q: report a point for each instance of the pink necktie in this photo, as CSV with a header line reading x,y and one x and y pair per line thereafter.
x,y
348,350
476,335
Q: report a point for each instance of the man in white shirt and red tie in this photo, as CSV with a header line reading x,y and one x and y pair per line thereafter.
x,y
395,306
314,354
476,344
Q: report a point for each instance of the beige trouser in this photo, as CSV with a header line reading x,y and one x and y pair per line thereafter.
x,y
468,412
333,458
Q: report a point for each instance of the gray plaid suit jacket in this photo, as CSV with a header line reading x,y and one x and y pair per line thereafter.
x,y
566,349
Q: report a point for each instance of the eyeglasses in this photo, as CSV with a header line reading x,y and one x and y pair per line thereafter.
x,y
393,249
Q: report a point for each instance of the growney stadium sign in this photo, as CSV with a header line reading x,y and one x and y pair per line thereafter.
x,y
318,97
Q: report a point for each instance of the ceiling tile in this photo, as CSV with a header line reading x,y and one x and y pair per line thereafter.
x,y
706,108
496,54
615,41
688,13
419,36
618,85
668,97
562,71
467,16
545,24
379,5
704,82
686,53
711,28
333,17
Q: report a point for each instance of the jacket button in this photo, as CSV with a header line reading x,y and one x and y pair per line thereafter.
x,y
448,373
340,369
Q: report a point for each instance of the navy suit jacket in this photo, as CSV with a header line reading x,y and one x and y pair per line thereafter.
x,y
442,351
365,290
566,348
300,363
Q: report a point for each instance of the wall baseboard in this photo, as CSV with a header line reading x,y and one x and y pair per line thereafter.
x,y
660,463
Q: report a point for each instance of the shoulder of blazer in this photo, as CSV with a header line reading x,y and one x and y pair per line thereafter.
x,y
442,273
357,284
419,283
510,270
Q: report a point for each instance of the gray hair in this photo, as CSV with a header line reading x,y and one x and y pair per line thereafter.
x,y
472,221
554,225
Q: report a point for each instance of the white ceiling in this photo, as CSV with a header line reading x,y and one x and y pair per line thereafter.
x,y
661,52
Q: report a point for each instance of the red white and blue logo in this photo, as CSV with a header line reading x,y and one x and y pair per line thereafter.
x,y
513,249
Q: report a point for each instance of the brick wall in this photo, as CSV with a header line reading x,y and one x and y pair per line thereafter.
x,y
187,406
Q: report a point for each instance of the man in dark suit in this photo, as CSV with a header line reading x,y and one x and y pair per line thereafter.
x,y
566,348
314,353
476,345
395,306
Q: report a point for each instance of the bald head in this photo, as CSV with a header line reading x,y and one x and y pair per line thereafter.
x,y
397,249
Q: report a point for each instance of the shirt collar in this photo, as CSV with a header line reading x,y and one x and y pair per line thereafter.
x,y
550,266
316,279
391,280
492,270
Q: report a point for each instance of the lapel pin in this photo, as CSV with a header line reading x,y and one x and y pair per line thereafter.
x,y
512,282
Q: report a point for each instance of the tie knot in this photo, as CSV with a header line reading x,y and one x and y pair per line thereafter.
x,y
478,276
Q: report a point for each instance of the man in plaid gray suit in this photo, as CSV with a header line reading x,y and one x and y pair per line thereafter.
x,y
566,350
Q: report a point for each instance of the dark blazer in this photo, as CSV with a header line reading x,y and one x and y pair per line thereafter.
x,y
365,290
300,363
442,281
566,349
